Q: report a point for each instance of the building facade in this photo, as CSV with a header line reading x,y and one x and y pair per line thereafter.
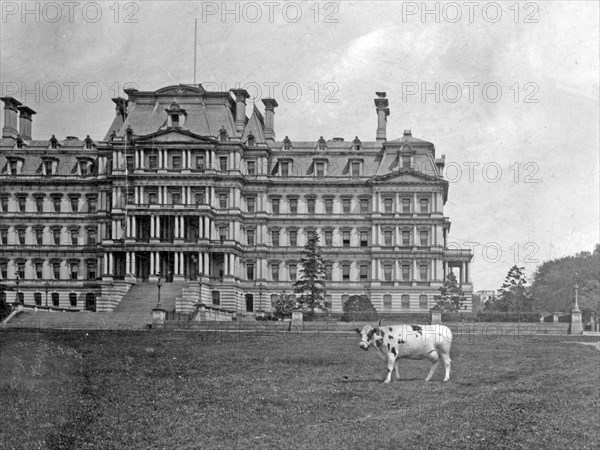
x,y
187,187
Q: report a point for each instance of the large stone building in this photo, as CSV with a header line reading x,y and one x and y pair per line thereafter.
x,y
185,185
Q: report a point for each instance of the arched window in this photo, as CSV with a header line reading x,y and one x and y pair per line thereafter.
x,y
251,140
223,134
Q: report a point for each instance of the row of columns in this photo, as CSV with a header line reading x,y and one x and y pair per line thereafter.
x,y
186,158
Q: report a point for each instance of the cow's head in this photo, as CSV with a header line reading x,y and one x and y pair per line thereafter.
x,y
366,336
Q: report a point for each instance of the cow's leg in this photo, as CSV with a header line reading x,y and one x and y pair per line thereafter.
x,y
446,360
396,364
391,362
435,359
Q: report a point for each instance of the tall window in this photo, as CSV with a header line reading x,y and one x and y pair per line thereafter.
x,y
364,238
424,206
406,161
346,238
56,270
74,270
251,203
293,236
406,205
222,233
275,238
39,235
153,162
73,299
92,204
250,236
200,162
199,196
329,206
320,169
355,169
388,205
251,168
74,236
176,197
293,206
423,301
405,301
424,237
345,272
285,169
4,203
388,237
328,271
250,271
364,206
223,163
275,271
275,205
310,205
39,204
37,298
387,272
152,197
387,302
292,269
405,272
13,167
345,298
327,301
364,272
223,201
91,270
129,162
346,205
21,270
423,272
56,235
75,204
22,201
56,200
405,238
48,168
216,298
55,299
21,235
328,238
176,161
91,236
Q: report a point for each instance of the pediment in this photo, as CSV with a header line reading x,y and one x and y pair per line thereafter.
x,y
407,176
180,89
174,135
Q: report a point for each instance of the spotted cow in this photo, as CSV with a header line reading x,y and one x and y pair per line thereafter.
x,y
395,342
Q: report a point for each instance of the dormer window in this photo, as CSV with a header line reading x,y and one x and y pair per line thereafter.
x,y
223,134
287,144
129,134
19,143
321,144
356,144
251,140
175,116
53,142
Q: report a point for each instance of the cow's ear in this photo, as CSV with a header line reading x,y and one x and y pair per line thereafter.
x,y
357,330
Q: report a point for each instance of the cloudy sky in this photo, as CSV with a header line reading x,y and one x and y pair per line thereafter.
x,y
509,95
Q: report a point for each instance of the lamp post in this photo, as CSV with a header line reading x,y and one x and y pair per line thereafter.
x,y
260,289
576,289
17,281
46,284
158,284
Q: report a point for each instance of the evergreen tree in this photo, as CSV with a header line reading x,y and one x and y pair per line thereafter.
x,y
359,308
514,294
451,298
285,305
311,283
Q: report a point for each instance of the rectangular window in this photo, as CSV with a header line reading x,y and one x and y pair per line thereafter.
x,y
275,205
405,272
311,235
346,238
346,272
320,170
55,299
37,298
4,236
364,206
250,271
423,301
355,168
21,270
21,236
328,272
293,206
329,206
292,270
275,238
216,298
4,203
22,200
13,167
406,238
275,272
153,162
199,196
222,233
223,163
405,301
152,197
251,203
91,237
405,205
56,201
73,299
200,162
74,271
250,237
423,272
56,235
56,270
176,162
406,161
423,235
48,168
39,204
92,204
346,204
388,205
176,198
74,237
387,302
84,168
3,272
387,272
327,301
293,236
310,205
364,238
285,169
424,206
251,168
364,272
328,238
91,271
223,201
129,161
39,236
74,204
387,238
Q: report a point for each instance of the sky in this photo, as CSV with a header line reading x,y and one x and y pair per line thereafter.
x,y
507,91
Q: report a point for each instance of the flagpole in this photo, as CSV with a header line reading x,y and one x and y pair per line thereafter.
x,y
195,41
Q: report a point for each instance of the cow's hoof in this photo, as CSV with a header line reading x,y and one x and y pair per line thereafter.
x,y
386,381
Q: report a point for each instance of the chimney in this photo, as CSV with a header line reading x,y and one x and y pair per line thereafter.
x,y
240,109
25,119
270,105
381,105
11,105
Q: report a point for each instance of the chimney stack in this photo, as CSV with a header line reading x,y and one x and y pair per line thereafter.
x,y
11,105
270,105
25,119
381,105
240,109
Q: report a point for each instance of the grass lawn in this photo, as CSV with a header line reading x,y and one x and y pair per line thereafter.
x,y
127,390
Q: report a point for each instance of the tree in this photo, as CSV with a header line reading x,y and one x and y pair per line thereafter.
x,y
311,284
358,307
514,294
285,304
451,298
554,281
5,308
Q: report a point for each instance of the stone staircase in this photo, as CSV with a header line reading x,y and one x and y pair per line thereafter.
x,y
142,297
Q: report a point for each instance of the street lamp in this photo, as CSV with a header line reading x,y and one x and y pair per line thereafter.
x,y
159,284
17,281
576,289
260,289
46,284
